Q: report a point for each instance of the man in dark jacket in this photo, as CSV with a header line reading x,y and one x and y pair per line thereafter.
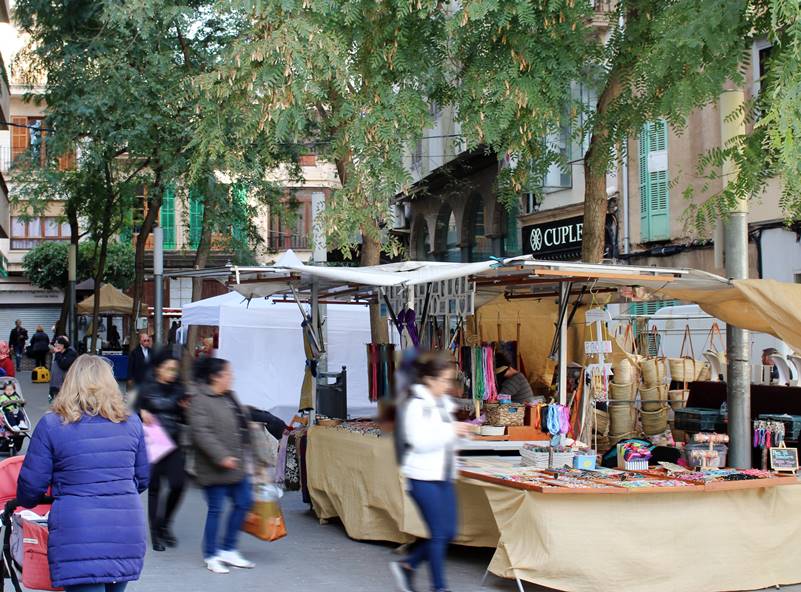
x,y
17,340
63,357
139,360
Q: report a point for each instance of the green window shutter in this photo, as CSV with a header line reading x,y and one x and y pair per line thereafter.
x,y
167,216
654,185
195,218
240,201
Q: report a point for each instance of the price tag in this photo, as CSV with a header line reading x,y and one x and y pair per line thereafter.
x,y
597,347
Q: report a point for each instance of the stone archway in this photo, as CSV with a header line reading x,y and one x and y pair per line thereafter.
x,y
447,240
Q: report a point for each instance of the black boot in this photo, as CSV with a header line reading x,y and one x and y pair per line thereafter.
x,y
158,544
167,537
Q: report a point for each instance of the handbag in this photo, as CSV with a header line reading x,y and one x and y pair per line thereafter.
x,y
265,520
157,441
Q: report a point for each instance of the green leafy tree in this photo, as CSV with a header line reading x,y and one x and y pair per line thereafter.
x,y
46,264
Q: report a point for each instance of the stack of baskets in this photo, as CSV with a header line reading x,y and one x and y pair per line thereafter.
x,y
505,414
622,393
654,396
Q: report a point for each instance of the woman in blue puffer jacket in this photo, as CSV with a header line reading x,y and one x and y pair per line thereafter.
x,y
91,451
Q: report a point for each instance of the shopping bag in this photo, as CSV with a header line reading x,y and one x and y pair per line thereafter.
x,y
266,520
157,441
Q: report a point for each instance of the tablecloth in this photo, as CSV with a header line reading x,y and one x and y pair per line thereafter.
x,y
355,478
666,542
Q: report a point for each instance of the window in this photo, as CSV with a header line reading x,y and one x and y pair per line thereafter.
x,y
760,59
654,190
480,244
167,217
26,234
195,218
291,230
512,237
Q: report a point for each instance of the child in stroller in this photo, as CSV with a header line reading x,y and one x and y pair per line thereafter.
x,y
11,404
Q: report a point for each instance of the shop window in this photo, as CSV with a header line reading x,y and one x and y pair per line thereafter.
x,y
654,182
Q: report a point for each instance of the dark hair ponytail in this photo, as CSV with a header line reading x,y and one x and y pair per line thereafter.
x,y
431,364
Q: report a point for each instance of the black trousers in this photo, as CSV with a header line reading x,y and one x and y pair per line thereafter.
x,y
169,469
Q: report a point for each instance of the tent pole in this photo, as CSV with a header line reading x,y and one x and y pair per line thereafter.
x,y
315,321
563,300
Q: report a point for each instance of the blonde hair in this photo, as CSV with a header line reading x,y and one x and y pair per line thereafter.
x,y
90,389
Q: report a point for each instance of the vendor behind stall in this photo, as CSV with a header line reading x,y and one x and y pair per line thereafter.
x,y
511,381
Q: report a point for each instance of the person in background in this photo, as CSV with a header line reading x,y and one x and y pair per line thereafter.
x,y
768,361
17,340
113,338
90,452
63,358
6,364
426,449
163,399
40,346
511,381
139,360
172,334
223,461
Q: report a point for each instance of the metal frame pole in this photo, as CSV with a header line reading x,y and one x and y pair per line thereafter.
x,y
737,340
563,299
158,285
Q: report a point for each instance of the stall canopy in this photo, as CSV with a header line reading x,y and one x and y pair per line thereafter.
x,y
766,306
112,302
263,341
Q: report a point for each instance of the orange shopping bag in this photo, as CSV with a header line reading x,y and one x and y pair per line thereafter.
x,y
265,521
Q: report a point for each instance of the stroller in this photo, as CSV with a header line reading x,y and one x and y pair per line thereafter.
x,y
25,535
11,441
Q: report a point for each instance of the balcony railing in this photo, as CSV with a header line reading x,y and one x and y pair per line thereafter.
x,y
8,158
26,244
283,241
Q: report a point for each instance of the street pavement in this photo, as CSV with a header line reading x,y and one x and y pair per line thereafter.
x,y
313,557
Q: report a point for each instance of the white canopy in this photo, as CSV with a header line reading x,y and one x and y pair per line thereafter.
x,y
263,341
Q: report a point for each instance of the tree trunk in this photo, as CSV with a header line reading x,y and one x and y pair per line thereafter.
x,y
201,259
75,235
595,163
154,205
371,255
99,272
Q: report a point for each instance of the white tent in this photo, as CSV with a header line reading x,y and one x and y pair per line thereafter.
x,y
264,343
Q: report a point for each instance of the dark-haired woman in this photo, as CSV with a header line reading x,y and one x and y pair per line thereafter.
x,y
428,463
220,434
162,399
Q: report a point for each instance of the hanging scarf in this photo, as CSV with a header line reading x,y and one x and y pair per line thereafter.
x,y
489,374
406,319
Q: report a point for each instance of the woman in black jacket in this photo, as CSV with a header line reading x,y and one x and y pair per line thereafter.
x,y
163,399
40,346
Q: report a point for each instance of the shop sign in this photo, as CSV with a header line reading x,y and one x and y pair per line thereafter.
x,y
553,237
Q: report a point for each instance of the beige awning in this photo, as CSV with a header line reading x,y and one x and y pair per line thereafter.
x,y
112,301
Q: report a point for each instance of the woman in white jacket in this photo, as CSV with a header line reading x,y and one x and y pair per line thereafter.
x,y
428,438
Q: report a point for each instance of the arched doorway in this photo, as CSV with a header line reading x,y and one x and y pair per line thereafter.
x,y
447,236
422,245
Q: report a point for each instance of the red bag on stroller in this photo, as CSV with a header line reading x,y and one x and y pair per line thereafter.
x,y
29,536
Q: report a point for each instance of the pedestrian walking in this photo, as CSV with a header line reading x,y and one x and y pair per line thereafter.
x,y
223,460
113,336
426,447
63,358
90,453
17,340
6,365
40,346
139,360
163,399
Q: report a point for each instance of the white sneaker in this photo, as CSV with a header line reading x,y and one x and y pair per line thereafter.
x,y
235,559
214,565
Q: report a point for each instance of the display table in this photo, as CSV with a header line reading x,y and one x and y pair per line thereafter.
x,y
704,539
355,478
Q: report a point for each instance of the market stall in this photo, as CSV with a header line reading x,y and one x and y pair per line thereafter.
x,y
547,532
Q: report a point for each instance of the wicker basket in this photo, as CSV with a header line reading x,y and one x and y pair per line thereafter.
x,y
621,392
535,458
684,369
653,371
622,418
329,423
615,438
654,398
678,398
705,375
654,422
561,459
623,371
505,414
601,421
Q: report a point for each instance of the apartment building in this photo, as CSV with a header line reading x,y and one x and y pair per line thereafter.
x,y
5,117
452,211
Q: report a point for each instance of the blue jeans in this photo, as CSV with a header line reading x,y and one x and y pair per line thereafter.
x,y
437,503
18,351
118,587
241,496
